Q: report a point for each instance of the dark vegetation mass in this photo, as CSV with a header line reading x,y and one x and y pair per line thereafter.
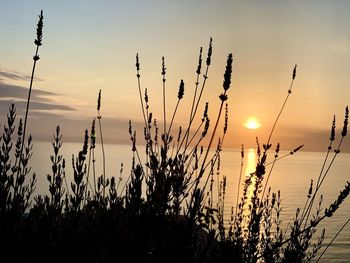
x,y
167,210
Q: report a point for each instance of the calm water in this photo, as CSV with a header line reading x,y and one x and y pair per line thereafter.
x,y
291,176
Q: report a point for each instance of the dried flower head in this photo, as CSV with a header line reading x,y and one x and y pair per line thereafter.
x,y
39,30
180,94
137,62
297,149
198,71
99,101
205,113
332,137
310,189
146,99
163,68
341,197
346,120
93,135
206,127
210,52
294,72
228,72
130,128
277,150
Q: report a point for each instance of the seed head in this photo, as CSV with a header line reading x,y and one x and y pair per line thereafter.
x,y
206,127
93,135
137,62
341,197
332,137
86,141
163,68
277,150
346,119
228,72
297,149
205,113
181,90
130,128
199,62
294,72
39,30
99,101
146,99
210,51
310,189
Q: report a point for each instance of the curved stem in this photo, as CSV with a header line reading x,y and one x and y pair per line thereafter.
x,y
27,110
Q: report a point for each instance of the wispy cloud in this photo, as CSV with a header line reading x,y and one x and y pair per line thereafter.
x,y
6,74
34,106
42,102
10,91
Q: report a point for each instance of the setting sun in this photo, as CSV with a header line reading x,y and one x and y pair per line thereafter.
x,y
252,123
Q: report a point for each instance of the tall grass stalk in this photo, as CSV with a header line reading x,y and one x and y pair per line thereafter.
x,y
99,117
179,97
197,100
239,180
321,177
91,156
139,87
223,98
164,107
283,105
38,43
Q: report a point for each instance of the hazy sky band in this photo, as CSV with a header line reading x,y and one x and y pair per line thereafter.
x,y
91,45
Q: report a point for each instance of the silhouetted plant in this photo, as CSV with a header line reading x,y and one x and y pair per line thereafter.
x,y
179,217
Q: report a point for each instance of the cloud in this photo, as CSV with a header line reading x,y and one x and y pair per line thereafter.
x,y
41,104
14,75
34,106
17,92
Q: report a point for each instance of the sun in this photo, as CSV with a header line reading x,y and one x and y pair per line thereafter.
x,y
252,123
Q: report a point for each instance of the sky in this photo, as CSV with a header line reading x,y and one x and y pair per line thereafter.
x,y
91,45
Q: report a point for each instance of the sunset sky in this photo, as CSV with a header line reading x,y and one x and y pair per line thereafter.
x,y
91,45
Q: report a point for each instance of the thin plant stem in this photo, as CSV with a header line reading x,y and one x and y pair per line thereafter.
x,y
205,76
139,87
330,243
239,180
94,169
103,155
268,177
164,106
195,90
38,43
172,119
202,169
88,174
308,210
282,108
27,109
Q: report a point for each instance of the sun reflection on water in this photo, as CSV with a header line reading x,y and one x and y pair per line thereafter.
x,y
251,162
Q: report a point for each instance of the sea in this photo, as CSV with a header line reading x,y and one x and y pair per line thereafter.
x,y
290,175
